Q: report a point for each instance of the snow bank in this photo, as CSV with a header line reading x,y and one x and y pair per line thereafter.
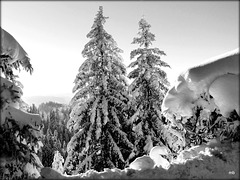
x,y
221,162
219,77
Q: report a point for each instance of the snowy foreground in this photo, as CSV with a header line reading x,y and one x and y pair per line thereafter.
x,y
214,84
219,163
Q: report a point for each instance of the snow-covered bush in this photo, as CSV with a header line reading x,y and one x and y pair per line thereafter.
x,y
204,103
20,132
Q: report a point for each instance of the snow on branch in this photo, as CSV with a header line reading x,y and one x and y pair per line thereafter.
x,y
105,110
98,124
218,78
23,119
93,110
10,93
10,47
135,73
115,147
115,117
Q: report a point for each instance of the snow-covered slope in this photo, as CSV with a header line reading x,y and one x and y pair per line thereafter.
x,y
219,77
37,100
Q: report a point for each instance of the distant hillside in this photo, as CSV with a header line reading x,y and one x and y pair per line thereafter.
x,y
37,100
47,107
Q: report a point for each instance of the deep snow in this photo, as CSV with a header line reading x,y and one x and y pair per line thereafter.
x,y
222,162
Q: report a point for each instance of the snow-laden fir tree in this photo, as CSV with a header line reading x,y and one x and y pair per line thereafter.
x,y
147,90
98,116
20,132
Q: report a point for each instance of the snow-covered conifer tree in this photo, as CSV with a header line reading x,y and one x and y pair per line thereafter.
x,y
100,98
147,89
20,132
58,162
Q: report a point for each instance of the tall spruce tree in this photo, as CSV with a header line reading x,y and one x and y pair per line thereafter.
x,y
97,117
147,90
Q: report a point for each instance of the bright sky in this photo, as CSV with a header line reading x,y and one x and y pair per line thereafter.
x,y
54,34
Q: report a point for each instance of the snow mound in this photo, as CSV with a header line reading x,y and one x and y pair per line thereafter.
x,y
142,163
225,92
155,159
218,77
156,155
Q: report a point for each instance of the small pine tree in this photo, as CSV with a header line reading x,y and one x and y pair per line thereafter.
x,y
97,116
147,90
58,162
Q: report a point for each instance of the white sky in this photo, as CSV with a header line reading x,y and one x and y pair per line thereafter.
x,y
54,34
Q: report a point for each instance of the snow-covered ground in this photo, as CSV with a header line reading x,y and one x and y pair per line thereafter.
x,y
219,163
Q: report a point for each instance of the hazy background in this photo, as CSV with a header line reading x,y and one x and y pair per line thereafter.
x,y
54,34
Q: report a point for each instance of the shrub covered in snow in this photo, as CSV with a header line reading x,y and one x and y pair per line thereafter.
x,y
204,103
